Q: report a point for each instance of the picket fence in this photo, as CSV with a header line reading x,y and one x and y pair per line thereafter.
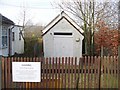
x,y
64,72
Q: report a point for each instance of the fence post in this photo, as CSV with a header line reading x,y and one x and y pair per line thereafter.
x,y
118,67
100,58
118,44
0,72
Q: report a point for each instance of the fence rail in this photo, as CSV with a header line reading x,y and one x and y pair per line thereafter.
x,y
68,72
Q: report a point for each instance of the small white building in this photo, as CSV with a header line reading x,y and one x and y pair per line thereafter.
x,y
17,40
62,37
11,41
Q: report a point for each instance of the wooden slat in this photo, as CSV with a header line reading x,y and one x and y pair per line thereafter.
x,y
8,72
56,81
95,72
46,76
65,72
6,83
113,86
59,79
42,80
8,66
52,72
62,72
89,76
102,73
117,71
11,73
72,73
75,72
69,75
88,72
3,70
85,72
78,74
92,76
78,78
39,83
107,67
112,71
106,71
49,60
81,66
99,72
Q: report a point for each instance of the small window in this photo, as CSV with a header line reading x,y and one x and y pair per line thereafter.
x,y
19,36
62,33
13,36
4,41
4,37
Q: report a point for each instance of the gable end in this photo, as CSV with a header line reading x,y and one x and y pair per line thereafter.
x,y
52,26
58,22
73,25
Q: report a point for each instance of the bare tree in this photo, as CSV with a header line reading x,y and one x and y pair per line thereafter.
x,y
84,12
24,20
88,13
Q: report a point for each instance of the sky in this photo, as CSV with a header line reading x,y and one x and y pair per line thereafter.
x,y
38,11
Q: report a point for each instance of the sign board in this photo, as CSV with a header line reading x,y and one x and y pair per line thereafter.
x,y
26,71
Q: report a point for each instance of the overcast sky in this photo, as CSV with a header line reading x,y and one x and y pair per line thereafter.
x,y
39,11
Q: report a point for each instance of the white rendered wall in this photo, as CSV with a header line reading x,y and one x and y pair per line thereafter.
x,y
17,45
62,26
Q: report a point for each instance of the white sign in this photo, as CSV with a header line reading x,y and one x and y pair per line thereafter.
x,y
26,71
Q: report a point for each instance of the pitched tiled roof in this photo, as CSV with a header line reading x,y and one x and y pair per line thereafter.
x,y
5,20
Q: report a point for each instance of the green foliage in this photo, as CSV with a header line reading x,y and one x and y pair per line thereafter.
x,y
29,46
